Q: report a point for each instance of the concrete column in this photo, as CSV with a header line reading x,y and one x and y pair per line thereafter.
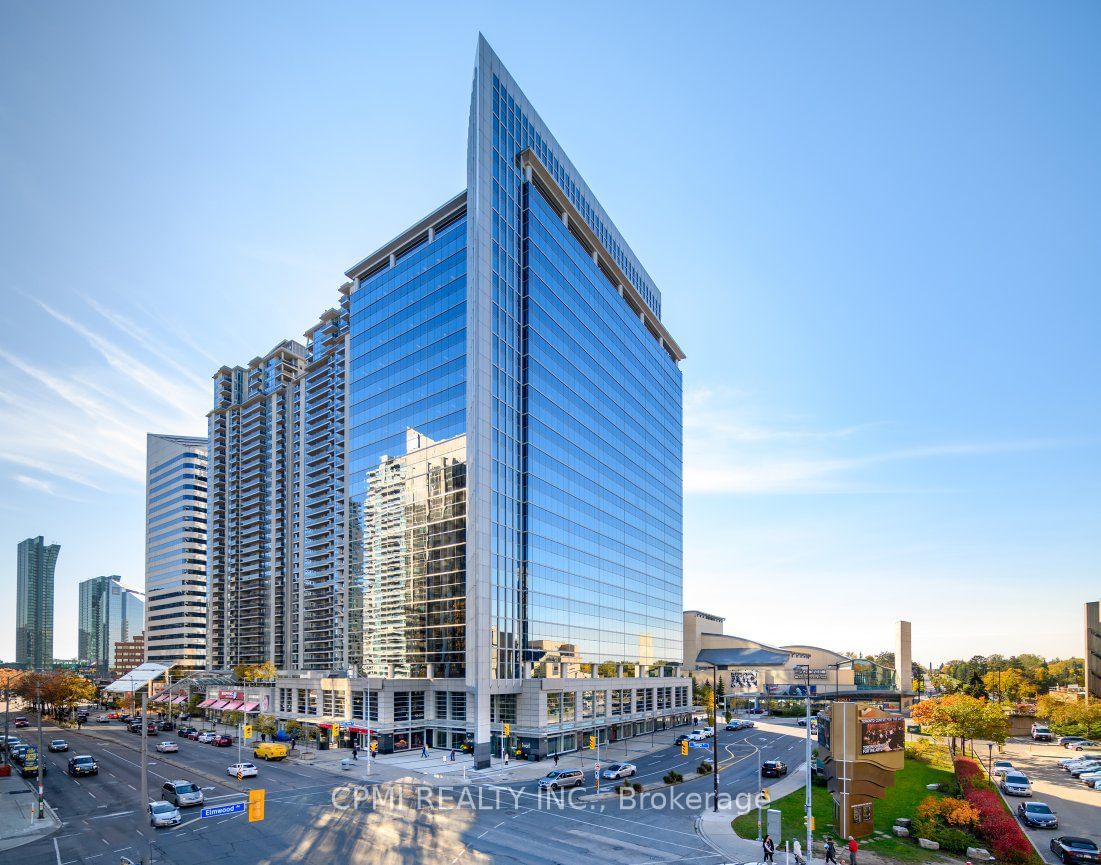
x,y
565,219
527,172
903,658
431,234
393,259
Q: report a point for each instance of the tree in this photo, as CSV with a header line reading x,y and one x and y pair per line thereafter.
x,y
1009,684
960,716
266,724
292,728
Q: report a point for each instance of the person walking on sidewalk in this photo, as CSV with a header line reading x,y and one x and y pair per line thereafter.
x,y
424,751
853,847
556,759
451,756
355,752
769,847
506,757
797,852
831,851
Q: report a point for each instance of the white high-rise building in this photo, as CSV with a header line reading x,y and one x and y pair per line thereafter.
x,y
175,550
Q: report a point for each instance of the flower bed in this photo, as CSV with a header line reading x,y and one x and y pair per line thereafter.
x,y
1007,841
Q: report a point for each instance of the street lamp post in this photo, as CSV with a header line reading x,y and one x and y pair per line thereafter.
x,y
809,815
759,788
41,759
715,738
990,760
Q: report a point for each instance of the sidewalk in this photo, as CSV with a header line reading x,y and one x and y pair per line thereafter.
x,y
715,828
18,824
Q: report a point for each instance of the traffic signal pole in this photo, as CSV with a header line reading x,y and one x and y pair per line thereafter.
x,y
41,759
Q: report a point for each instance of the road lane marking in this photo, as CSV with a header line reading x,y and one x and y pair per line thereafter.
x,y
57,852
90,793
109,816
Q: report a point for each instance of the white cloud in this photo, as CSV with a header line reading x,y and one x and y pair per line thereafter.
x,y
35,484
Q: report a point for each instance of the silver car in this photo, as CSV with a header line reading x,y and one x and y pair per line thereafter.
x,y
163,814
1015,784
620,770
182,794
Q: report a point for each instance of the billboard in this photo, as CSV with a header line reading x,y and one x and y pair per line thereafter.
x,y
743,680
878,735
790,690
824,732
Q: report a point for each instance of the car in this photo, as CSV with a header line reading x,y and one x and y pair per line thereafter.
x,y
183,716
165,726
185,732
1066,741
58,745
774,769
1016,783
102,719
1082,745
194,735
205,738
1067,762
17,751
1041,733
168,747
84,764
1070,849
21,722
698,736
1037,815
1080,769
270,751
112,716
244,770
756,711
1001,767
560,779
182,793
11,741
222,741
123,716
1089,778
619,770
163,814
733,726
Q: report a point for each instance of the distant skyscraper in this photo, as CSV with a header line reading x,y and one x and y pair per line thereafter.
x,y
108,614
1093,650
467,482
175,550
34,603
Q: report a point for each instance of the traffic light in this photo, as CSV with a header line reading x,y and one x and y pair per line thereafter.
x,y
684,747
255,805
247,732
766,794
507,730
592,743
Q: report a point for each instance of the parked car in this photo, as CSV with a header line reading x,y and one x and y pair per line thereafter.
x,y
1088,778
85,764
1015,784
58,745
183,716
163,814
774,769
1082,745
185,732
21,722
620,770
245,770
165,726
1067,762
194,735
182,793
1037,815
205,738
734,726
560,779
1079,769
1072,849
102,719
222,741
1001,767
270,751
11,741
112,716
168,747
1041,733
17,751
698,736
1066,741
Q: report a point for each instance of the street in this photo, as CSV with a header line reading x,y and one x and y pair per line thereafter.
x,y
104,820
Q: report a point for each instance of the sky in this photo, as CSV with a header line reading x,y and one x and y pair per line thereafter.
x,y
875,229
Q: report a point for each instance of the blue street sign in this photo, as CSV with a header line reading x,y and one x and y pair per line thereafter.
x,y
222,810
704,745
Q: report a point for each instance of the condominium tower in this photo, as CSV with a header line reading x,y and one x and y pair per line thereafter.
x,y
175,551
34,603
1093,650
457,504
108,613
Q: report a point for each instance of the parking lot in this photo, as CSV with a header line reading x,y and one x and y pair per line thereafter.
x,y
1077,806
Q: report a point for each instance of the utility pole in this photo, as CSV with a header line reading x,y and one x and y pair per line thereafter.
x,y
41,759
759,838
715,735
144,751
7,715
809,815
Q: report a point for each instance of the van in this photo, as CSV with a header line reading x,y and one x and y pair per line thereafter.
x,y
1040,733
270,751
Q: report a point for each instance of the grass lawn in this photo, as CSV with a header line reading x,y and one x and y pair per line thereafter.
x,y
900,801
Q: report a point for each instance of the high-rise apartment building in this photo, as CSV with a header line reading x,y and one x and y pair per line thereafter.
x,y
1093,650
175,550
108,613
458,505
34,603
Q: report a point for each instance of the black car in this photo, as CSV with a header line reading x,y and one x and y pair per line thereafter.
x,y
166,725
1037,815
774,769
85,764
185,732
1073,849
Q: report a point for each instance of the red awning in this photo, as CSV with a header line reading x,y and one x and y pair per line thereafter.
x,y
250,707
218,704
362,730
206,704
178,700
160,697
230,706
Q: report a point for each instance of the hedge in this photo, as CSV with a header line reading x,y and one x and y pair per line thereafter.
x,y
1007,841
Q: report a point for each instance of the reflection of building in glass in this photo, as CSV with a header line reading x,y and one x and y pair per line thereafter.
x,y
108,614
414,561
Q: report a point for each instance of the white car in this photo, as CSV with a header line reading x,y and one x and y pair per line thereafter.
x,y
102,719
163,814
206,738
698,736
1001,767
245,770
619,770
168,747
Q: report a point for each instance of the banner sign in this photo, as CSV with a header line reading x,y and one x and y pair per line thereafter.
x,y
878,735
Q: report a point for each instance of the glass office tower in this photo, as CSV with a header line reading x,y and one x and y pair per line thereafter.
x,y
34,603
509,478
108,614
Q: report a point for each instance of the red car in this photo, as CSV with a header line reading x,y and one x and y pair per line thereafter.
x,y
222,741
114,716
194,735
22,722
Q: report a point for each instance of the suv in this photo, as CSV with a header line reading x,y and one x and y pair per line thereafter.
x,y
21,722
182,793
1040,733
1015,784
774,769
85,764
560,779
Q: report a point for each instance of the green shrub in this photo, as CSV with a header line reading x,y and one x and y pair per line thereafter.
x,y
638,786
952,840
672,777
704,768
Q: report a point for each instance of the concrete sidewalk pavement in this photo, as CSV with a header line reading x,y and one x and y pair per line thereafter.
x,y
18,823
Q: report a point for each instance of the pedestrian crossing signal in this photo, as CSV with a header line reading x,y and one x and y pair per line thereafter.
x,y
684,747
592,743
508,730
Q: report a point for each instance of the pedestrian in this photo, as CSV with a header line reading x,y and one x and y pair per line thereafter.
x,y
556,758
451,756
831,851
424,751
769,847
355,752
797,851
506,758
852,850
294,742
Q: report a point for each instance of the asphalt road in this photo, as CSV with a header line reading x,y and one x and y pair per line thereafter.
x,y
104,820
